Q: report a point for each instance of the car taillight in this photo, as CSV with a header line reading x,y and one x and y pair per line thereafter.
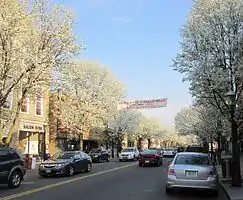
x,y
171,172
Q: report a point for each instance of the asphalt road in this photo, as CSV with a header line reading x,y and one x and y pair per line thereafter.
x,y
107,181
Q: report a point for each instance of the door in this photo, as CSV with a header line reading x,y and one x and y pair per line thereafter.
x,y
104,155
78,162
5,164
85,161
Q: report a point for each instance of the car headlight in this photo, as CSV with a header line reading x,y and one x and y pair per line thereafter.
x,y
60,165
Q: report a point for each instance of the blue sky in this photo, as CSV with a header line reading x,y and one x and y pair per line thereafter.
x,y
137,39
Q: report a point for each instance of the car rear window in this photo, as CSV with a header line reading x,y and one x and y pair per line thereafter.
x,y
192,160
195,149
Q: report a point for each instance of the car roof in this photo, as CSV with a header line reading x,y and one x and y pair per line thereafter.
x,y
192,153
6,149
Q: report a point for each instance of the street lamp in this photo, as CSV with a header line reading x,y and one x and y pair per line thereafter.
x,y
44,141
235,167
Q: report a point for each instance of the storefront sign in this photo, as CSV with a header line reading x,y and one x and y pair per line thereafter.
x,y
31,127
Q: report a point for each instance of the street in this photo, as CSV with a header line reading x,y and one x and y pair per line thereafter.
x,y
107,181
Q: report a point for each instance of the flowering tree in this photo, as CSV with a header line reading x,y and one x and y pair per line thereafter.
x,y
36,39
211,59
91,92
185,121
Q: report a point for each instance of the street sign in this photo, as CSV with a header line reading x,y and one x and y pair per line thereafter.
x,y
143,104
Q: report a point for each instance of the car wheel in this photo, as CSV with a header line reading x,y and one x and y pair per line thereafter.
x,y
120,160
108,159
168,190
70,171
215,193
99,160
15,179
89,167
134,158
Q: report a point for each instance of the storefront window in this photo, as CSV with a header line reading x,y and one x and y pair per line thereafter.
x,y
25,105
39,103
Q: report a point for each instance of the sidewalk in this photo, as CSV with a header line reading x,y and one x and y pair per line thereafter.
x,y
233,193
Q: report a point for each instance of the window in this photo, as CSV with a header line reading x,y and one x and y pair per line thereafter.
x,y
39,103
25,105
9,101
192,160
4,156
14,155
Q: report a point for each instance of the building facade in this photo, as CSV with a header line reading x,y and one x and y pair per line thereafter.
x,y
31,131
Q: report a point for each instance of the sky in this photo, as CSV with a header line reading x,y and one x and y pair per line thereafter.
x,y
137,39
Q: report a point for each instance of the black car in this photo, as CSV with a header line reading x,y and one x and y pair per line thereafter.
x,y
150,157
195,148
99,155
66,163
12,168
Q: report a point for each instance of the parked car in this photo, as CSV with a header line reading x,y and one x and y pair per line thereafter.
x,y
12,167
66,163
99,155
150,157
192,170
195,148
129,153
180,149
169,152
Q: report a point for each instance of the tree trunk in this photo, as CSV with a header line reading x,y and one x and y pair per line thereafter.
x,y
149,143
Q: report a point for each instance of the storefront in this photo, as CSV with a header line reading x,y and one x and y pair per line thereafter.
x,y
31,137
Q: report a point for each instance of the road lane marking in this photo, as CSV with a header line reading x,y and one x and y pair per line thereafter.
x,y
31,191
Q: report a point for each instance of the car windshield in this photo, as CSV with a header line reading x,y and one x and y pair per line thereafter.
x,y
128,150
169,149
149,151
194,149
95,151
63,155
192,160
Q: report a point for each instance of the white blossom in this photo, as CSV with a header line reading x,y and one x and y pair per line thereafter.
x,y
91,93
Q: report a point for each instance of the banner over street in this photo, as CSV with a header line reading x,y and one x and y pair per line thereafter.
x,y
143,104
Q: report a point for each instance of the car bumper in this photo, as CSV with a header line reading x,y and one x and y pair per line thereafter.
x,y
52,172
210,184
126,158
148,162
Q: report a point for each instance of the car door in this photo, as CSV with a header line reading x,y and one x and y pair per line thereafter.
x,y
5,164
78,162
104,155
85,160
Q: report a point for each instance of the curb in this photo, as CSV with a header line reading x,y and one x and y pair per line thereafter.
x,y
225,191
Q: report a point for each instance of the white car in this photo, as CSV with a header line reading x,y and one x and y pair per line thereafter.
x,y
129,153
169,152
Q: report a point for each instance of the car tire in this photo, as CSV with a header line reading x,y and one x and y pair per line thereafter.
x,y
215,193
99,160
134,158
70,171
120,160
168,190
108,159
89,167
15,179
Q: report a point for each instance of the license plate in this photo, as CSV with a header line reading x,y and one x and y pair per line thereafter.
x,y
146,161
191,173
48,171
